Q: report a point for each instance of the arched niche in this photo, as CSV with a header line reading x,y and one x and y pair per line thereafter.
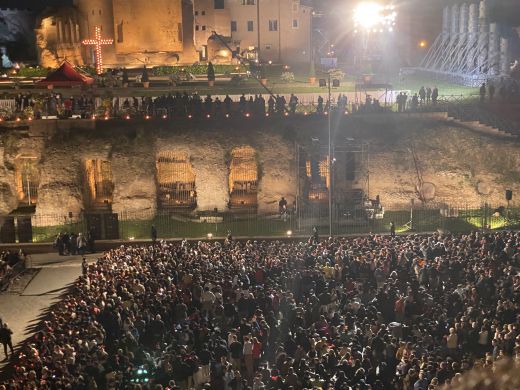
x,y
99,183
27,178
176,180
243,178
318,178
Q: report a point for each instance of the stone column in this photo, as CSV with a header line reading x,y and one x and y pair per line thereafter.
x,y
493,50
211,176
472,36
135,190
60,190
504,57
278,168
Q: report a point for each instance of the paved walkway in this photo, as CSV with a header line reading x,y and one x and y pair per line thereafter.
x,y
24,311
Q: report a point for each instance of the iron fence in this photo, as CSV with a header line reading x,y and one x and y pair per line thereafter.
x,y
299,222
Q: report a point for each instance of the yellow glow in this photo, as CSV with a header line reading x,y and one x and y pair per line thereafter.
x,y
423,43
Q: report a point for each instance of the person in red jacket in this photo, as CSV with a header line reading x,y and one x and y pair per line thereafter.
x,y
257,353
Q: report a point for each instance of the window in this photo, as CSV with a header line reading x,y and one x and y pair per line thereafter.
x,y
203,13
203,28
273,25
196,13
179,31
249,25
100,12
120,32
248,2
218,4
233,25
295,23
295,6
93,12
267,47
196,27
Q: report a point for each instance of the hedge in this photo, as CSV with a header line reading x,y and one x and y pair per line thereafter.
x,y
197,69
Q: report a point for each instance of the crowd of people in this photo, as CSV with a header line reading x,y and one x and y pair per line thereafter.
x,y
374,312
75,244
172,104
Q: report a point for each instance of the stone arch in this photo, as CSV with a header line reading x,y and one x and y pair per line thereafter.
x,y
243,178
318,178
175,180
27,178
99,183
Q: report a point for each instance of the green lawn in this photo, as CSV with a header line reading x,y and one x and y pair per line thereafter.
x,y
414,83
251,225
251,86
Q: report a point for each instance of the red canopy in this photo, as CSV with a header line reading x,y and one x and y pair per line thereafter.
x,y
66,76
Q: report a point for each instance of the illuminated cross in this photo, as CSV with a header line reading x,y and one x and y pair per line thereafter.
x,y
98,42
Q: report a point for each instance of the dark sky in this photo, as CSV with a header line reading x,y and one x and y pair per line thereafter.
x,y
32,4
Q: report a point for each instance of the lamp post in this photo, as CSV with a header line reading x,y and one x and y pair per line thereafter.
x,y
330,155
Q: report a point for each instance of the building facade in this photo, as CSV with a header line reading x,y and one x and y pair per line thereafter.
x,y
167,32
272,30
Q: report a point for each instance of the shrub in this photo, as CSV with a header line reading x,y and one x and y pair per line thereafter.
x,y
287,77
199,69
125,76
33,72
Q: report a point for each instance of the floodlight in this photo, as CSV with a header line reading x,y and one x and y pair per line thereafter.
x,y
375,17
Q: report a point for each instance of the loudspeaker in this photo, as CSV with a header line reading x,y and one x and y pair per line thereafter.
x,y
322,82
509,195
24,225
335,83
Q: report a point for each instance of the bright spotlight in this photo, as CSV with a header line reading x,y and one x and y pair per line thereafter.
x,y
210,236
373,16
289,233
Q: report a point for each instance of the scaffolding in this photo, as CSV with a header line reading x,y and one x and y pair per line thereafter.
x,y
469,50
350,178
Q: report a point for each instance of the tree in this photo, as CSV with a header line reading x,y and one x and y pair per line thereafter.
x,y
211,72
312,70
125,76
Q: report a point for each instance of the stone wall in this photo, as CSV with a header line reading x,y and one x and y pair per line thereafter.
x,y
454,159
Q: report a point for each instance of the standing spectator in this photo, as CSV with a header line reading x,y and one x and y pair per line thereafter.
x,y
422,94
428,94
81,244
248,356
435,95
482,92
154,234
6,339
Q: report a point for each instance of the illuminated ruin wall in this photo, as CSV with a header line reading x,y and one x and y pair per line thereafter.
x,y
59,152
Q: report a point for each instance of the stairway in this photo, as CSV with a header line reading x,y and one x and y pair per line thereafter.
x,y
478,118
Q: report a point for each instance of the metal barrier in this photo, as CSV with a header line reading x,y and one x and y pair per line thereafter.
x,y
211,224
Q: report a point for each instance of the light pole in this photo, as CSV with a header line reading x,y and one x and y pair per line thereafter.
x,y
329,114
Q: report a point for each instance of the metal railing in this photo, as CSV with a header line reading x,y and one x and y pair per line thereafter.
x,y
204,224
